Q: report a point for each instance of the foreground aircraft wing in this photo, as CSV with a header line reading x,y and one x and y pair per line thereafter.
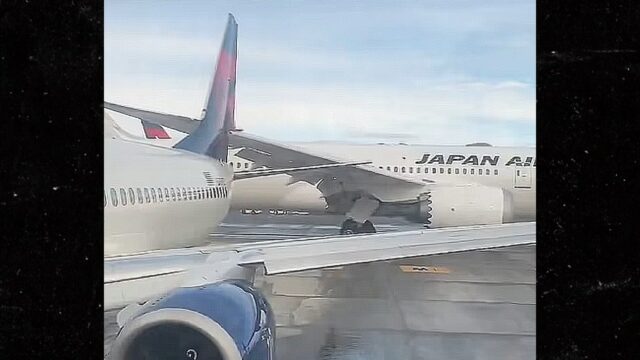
x,y
130,279
296,255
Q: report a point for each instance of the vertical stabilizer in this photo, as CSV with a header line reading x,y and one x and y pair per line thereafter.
x,y
211,138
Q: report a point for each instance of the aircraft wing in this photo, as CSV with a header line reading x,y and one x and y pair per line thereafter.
x,y
176,122
297,255
381,184
130,279
268,172
330,179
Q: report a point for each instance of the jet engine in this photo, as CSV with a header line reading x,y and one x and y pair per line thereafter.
x,y
229,320
465,205
455,205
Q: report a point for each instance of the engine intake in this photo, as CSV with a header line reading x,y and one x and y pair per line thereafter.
x,y
229,320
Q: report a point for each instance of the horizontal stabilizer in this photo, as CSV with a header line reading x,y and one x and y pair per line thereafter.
x,y
180,123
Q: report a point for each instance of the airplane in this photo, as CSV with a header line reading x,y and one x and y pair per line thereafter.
x,y
438,186
182,298
512,169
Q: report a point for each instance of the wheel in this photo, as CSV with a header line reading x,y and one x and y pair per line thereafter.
x,y
349,227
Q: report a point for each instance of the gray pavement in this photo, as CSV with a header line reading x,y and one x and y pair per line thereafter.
x,y
481,304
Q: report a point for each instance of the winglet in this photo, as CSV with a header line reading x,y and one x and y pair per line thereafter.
x,y
211,138
154,131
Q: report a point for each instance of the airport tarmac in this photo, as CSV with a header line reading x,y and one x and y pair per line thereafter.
x,y
473,305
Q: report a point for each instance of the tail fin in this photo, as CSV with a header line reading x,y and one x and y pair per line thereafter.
x,y
211,138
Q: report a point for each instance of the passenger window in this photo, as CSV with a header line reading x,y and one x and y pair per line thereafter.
x,y
418,170
146,195
166,194
173,194
238,165
231,163
105,197
246,165
140,199
403,169
464,171
457,171
448,170
184,194
395,169
495,172
518,172
472,171
160,195
153,195
487,172
123,196
410,169
189,194
389,168
114,197
132,196
432,170
441,170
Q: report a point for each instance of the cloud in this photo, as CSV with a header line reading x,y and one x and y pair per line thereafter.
x,y
435,72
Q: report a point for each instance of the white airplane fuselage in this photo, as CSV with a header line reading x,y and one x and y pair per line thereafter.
x,y
138,219
509,168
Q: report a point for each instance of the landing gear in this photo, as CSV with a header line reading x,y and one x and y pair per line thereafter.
x,y
350,226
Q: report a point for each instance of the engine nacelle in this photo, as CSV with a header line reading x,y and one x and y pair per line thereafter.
x,y
465,205
229,320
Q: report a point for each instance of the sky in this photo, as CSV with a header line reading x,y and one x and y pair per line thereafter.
x,y
419,72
